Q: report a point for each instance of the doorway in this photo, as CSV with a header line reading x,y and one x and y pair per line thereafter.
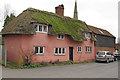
x,y
71,53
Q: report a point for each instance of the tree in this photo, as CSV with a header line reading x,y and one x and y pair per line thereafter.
x,y
8,19
6,15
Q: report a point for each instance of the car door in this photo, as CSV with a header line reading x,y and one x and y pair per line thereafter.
x,y
108,56
111,56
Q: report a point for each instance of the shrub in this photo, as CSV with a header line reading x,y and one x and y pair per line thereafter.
x,y
69,62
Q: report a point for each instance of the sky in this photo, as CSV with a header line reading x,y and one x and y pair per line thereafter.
x,y
99,13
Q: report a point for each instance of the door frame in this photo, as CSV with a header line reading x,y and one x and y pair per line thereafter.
x,y
71,53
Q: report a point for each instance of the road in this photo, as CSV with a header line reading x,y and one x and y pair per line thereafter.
x,y
86,70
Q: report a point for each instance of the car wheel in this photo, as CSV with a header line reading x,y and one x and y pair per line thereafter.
x,y
107,60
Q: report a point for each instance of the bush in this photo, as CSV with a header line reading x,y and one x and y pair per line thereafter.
x,y
69,62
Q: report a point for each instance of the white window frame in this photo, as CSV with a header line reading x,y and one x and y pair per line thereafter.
x,y
89,49
38,50
42,28
61,51
78,49
88,35
60,36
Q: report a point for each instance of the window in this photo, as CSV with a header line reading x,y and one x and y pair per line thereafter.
x,y
88,49
101,31
79,49
41,28
39,50
88,35
59,51
45,28
35,27
60,36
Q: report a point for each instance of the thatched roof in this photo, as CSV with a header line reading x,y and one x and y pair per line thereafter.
x,y
100,31
65,25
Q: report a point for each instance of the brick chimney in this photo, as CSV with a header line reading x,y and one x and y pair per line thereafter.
x,y
60,10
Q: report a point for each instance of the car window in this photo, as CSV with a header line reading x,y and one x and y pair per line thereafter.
x,y
100,53
108,53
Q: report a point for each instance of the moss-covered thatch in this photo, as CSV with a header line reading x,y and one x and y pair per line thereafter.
x,y
64,25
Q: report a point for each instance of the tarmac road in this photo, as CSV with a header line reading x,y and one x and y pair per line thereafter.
x,y
86,70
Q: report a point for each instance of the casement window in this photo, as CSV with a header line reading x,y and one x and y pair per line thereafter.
x,y
41,28
38,50
60,51
60,36
88,35
88,49
79,49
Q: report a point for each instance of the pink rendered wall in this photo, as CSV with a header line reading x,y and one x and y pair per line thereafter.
x,y
13,43
50,42
27,43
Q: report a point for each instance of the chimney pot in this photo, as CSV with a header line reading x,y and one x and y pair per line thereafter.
x,y
60,10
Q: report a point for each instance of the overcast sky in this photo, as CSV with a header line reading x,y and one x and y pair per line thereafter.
x,y
99,13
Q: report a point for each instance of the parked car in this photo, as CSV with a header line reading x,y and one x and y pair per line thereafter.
x,y
117,55
113,55
104,56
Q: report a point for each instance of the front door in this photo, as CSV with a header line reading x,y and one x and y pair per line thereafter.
x,y
71,53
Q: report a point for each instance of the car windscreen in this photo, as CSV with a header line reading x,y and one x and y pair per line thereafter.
x,y
100,53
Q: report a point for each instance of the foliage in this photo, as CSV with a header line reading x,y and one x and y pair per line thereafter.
x,y
8,19
69,62
42,64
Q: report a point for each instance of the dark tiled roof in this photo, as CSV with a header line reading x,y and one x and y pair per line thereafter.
x,y
100,31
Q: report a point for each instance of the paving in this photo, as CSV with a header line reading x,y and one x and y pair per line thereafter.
x,y
86,70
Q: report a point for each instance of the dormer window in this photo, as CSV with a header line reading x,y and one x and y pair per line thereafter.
x,y
41,28
101,31
88,35
60,36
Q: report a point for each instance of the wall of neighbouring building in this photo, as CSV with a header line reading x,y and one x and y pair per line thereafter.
x,y
104,41
18,45
104,49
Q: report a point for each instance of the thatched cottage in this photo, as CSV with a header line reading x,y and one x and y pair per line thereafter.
x,y
48,36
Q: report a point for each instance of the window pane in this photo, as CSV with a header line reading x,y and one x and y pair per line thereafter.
x,y
44,28
35,27
36,49
88,35
90,49
63,50
59,50
40,27
86,49
62,36
58,35
41,49
56,50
